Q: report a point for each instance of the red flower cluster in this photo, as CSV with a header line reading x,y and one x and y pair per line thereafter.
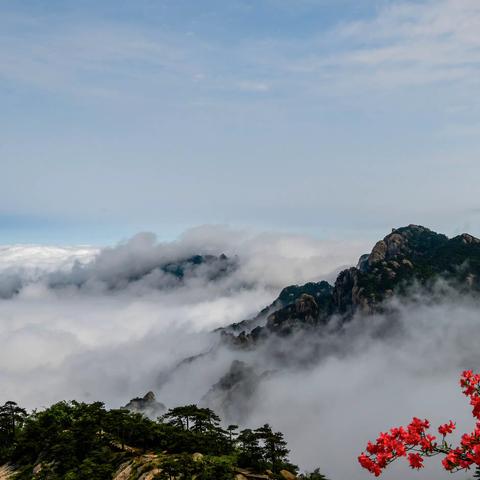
x,y
415,443
470,384
397,443
446,428
468,453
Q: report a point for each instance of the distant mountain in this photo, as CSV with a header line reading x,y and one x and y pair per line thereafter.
x,y
215,266
152,273
233,394
147,405
102,273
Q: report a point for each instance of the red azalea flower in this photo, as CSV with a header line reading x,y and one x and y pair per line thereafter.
x,y
446,428
415,460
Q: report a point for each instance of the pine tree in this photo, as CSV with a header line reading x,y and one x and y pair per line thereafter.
x,y
11,419
251,455
275,449
191,417
231,431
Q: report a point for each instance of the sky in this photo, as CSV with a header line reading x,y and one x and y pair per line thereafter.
x,y
331,118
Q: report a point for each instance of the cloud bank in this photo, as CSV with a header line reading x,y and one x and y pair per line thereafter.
x,y
102,324
88,342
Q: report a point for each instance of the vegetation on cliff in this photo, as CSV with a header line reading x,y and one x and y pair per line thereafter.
x,y
80,441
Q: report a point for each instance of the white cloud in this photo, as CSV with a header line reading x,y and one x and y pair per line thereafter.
x,y
410,44
41,258
111,344
405,44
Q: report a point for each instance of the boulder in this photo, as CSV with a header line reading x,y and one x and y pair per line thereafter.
x,y
287,475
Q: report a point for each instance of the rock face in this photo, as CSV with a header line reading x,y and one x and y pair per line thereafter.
x,y
242,474
140,467
320,291
6,472
412,254
287,475
310,304
146,405
304,309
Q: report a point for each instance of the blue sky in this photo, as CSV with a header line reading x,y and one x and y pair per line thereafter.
x,y
327,117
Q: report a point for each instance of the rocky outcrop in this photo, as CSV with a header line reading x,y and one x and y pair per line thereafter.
x,y
413,242
297,307
6,472
149,467
347,294
286,475
142,467
320,291
147,406
304,310
243,474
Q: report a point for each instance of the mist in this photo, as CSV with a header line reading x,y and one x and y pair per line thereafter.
x,y
106,324
70,329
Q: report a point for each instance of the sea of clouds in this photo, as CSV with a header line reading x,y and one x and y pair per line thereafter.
x,y
73,325
71,329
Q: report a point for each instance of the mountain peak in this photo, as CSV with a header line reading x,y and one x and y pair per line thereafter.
x,y
407,255
410,241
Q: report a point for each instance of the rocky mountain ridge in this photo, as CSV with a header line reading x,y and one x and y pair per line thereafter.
x,y
408,255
